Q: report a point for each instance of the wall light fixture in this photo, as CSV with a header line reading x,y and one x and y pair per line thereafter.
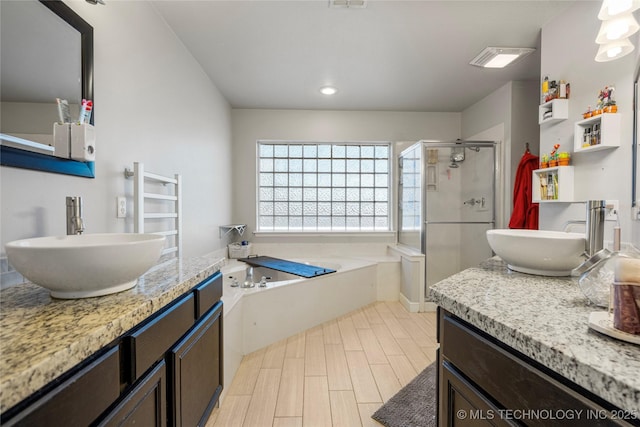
x,y
617,28
612,8
614,50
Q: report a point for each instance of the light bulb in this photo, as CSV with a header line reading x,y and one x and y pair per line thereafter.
x,y
618,6
614,51
616,30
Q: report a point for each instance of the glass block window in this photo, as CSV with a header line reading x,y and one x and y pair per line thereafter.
x,y
323,187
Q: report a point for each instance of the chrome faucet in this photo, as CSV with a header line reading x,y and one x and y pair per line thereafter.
x,y
75,224
594,226
594,251
248,278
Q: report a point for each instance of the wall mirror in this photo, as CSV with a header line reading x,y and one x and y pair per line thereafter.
x,y
46,53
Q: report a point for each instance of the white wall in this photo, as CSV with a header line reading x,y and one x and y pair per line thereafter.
x,y
569,55
514,108
249,126
153,104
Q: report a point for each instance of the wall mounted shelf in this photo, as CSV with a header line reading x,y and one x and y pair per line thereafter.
x,y
564,177
553,111
608,125
226,229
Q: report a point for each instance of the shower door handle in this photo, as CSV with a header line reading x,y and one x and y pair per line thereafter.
x,y
459,222
473,201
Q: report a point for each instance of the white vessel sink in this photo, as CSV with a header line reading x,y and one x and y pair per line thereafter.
x,y
87,265
545,253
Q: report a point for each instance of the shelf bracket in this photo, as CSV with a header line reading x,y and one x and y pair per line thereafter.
x,y
226,229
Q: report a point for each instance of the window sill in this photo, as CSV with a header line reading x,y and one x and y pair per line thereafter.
x,y
324,233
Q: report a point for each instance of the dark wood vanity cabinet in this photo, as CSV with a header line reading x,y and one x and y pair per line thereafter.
x,y
195,366
175,361
167,371
483,382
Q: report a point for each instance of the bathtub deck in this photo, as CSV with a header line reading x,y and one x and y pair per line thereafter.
x,y
338,373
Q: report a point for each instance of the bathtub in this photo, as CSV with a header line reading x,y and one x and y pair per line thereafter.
x,y
259,316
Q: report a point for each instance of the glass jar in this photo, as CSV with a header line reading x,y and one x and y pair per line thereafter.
x,y
596,283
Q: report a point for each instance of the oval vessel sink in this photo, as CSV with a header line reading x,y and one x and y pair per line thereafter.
x,y
541,252
88,265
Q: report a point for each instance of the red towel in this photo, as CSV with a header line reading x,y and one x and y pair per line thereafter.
x,y
525,212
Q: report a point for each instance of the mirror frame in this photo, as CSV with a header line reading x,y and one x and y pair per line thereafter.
x,y
635,152
25,159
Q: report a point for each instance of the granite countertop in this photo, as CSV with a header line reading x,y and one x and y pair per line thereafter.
x,y
545,318
42,338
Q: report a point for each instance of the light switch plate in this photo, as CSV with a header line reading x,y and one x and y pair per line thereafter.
x,y
612,210
121,207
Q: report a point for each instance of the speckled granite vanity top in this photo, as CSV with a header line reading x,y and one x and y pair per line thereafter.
x,y
546,319
41,337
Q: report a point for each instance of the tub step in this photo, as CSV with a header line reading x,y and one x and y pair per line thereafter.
x,y
297,268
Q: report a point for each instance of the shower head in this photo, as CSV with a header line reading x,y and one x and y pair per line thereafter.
x,y
457,156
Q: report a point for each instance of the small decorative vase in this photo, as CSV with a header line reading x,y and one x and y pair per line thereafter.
x,y
563,162
544,165
553,163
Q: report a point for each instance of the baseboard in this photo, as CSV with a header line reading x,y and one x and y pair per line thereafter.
x,y
412,307
430,306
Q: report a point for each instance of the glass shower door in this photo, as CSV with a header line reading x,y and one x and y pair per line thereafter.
x,y
458,206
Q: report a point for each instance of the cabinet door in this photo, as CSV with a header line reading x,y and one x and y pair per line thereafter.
x,y
195,365
462,405
79,399
145,405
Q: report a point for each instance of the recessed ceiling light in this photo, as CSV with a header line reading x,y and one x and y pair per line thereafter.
x,y
499,57
328,90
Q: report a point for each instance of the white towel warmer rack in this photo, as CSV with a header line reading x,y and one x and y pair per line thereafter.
x,y
141,177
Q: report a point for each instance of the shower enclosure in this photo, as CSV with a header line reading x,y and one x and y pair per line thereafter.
x,y
446,204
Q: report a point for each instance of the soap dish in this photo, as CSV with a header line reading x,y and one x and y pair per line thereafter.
x,y
602,322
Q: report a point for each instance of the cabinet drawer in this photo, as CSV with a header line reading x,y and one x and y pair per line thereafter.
x,y
208,293
78,400
144,405
513,381
149,343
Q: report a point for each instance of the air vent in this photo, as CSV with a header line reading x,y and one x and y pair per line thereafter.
x,y
347,4
498,57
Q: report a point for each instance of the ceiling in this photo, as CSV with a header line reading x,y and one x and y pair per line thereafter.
x,y
391,55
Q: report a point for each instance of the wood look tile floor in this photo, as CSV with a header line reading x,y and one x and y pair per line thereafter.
x,y
335,374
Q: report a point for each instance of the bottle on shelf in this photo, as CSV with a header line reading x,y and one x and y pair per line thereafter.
x,y
595,135
545,89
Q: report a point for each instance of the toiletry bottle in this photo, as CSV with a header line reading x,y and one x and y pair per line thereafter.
x,y
595,135
545,89
550,187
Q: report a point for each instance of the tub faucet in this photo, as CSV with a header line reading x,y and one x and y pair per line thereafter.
x,y
248,278
75,224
